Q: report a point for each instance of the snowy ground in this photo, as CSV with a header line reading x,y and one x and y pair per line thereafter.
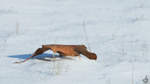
x,y
117,31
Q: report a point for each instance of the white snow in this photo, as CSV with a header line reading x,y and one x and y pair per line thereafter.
x,y
117,31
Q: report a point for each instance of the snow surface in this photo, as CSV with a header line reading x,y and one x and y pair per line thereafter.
x,y
117,31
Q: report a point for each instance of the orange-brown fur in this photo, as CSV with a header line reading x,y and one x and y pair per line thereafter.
x,y
65,50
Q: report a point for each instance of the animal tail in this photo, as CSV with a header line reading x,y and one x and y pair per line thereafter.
x,y
88,54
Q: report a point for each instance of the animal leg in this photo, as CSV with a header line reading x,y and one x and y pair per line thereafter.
x,y
60,53
79,57
78,52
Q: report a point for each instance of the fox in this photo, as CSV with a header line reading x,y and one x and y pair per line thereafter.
x,y
64,50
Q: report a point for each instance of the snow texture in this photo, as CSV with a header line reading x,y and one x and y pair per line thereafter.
x,y
117,31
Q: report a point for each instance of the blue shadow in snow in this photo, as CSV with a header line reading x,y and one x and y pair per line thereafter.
x,y
25,56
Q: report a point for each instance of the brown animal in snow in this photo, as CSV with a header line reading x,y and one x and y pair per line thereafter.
x,y
64,50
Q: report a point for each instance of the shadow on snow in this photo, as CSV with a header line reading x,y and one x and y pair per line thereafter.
x,y
40,57
25,56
